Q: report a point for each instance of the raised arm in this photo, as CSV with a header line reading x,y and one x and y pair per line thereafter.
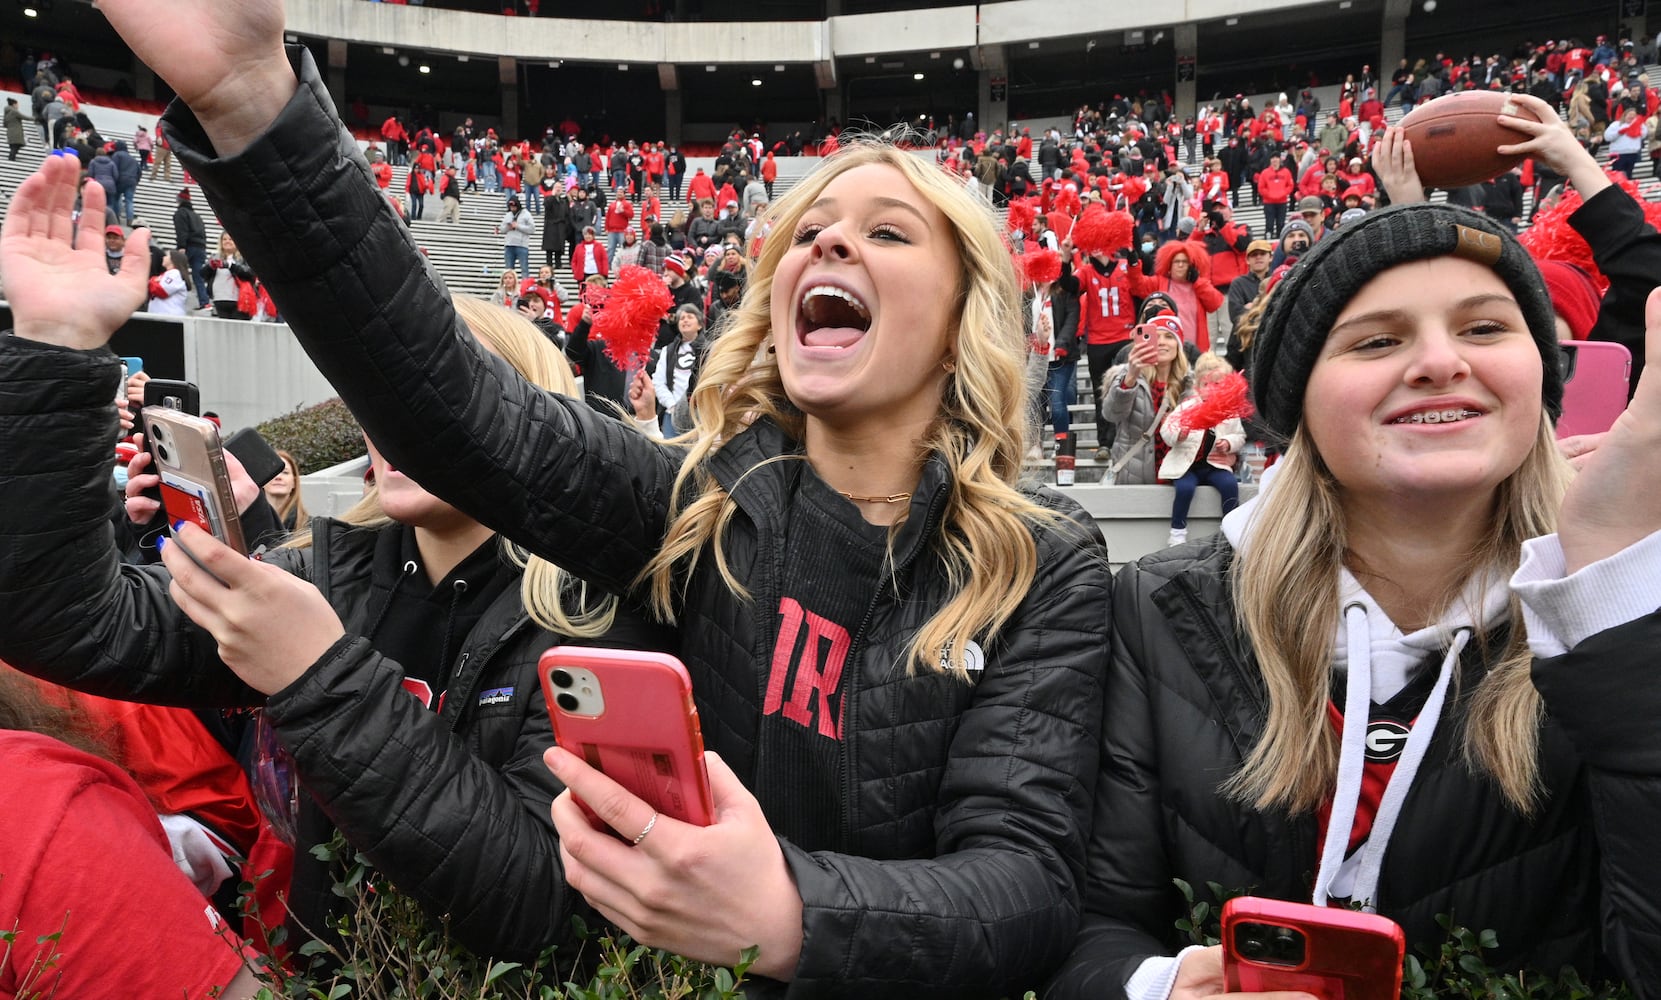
x,y
545,470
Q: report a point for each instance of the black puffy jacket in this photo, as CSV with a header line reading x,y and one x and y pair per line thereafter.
x,y
462,826
1578,885
966,806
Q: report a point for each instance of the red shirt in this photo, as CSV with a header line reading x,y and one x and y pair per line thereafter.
x,y
80,840
1106,312
618,214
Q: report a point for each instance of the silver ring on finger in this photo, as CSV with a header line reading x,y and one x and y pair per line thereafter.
x,y
649,824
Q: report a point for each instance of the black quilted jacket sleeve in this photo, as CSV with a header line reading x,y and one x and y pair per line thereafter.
x,y
1603,693
464,838
574,486
1127,889
73,613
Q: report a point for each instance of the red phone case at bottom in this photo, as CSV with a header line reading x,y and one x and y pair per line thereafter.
x,y
1347,955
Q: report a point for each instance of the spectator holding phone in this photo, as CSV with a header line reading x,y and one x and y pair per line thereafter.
x,y
516,229
1388,669
897,817
1136,396
407,696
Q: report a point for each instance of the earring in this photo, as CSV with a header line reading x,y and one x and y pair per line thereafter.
x,y
950,366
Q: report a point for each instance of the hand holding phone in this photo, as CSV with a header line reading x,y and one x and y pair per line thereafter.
x,y
1269,944
1144,352
196,485
630,716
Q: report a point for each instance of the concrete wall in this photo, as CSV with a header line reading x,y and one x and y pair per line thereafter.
x,y
431,29
250,372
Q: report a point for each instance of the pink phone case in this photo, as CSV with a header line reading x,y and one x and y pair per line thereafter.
x,y
647,739
1595,391
1345,955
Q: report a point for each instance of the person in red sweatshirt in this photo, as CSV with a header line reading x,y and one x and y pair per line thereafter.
x,y
589,258
769,173
700,186
619,214
1182,270
1274,186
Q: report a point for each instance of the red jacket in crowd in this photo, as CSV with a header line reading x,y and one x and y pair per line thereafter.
x,y
579,266
700,186
618,216
1275,185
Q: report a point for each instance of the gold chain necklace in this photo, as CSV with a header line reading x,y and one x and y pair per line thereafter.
x,y
891,498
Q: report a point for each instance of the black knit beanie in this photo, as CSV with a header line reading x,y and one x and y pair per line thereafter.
x,y
1308,300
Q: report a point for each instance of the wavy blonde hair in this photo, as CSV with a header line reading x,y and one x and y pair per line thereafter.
x,y
555,600
1285,586
986,539
294,501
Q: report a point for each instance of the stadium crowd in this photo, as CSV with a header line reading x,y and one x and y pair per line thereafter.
x,y
951,754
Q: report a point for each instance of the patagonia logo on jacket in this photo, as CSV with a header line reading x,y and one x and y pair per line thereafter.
x,y
495,696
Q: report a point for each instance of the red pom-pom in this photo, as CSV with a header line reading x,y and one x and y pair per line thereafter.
x,y
1040,267
1067,200
634,306
1022,212
1101,231
1550,237
1227,398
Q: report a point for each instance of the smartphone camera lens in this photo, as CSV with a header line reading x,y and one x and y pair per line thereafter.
x,y
567,701
1287,946
1251,945
164,453
562,678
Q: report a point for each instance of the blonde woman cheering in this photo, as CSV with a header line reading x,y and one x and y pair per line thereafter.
x,y
895,651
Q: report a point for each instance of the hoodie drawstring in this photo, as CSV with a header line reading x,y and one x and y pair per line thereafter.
x,y
409,569
1352,763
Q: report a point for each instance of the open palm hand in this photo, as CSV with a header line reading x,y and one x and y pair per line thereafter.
x,y
56,278
1612,502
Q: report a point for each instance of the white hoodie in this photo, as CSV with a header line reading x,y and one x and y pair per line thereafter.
x,y
1558,611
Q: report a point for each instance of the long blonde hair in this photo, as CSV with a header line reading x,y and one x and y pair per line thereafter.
x,y
1285,587
986,541
555,600
294,501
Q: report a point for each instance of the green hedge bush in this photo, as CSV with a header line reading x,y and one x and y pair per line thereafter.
x,y
317,436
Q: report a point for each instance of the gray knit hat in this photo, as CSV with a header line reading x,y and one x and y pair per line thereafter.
x,y
1308,300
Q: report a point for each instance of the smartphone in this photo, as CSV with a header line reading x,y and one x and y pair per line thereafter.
x,y
174,394
630,715
185,453
1596,377
258,458
1271,945
132,367
1144,333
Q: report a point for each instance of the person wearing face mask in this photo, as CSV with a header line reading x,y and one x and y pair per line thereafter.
x,y
862,409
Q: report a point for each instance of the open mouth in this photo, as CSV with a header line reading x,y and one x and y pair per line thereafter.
x,y
1448,416
832,317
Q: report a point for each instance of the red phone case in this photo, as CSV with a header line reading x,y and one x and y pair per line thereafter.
x,y
647,737
1596,389
1347,955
